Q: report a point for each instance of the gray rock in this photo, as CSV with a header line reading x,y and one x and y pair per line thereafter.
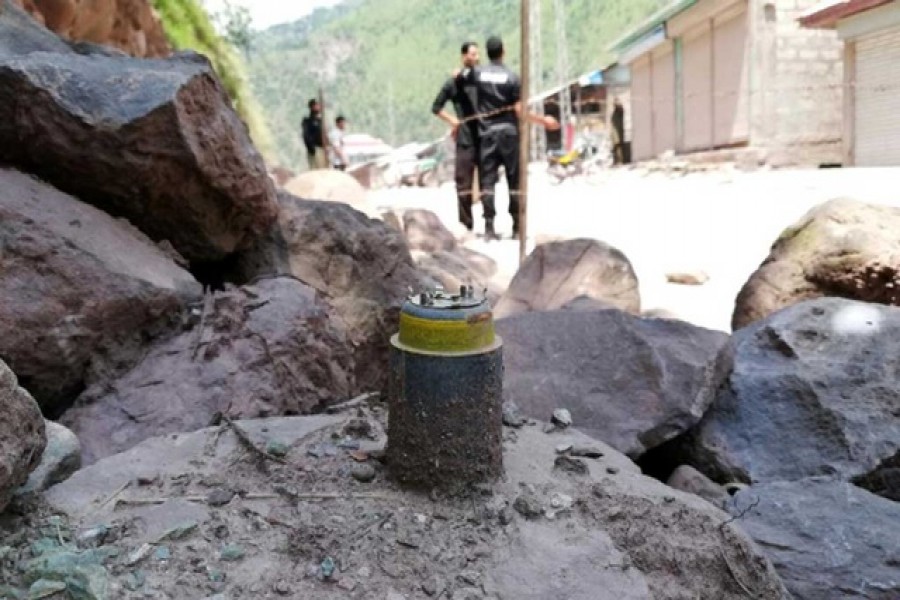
x,y
81,292
814,391
559,272
529,505
110,129
561,417
512,416
219,497
361,265
425,231
633,383
22,435
363,473
827,539
267,349
61,458
840,248
690,480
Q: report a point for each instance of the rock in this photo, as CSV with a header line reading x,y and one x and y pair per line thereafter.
x,y
83,573
219,497
44,588
557,273
22,435
633,383
118,131
884,480
827,539
561,417
687,278
360,265
61,458
424,231
329,185
840,248
690,480
130,25
567,464
529,505
459,267
262,350
231,553
586,451
277,448
512,416
814,391
363,473
81,292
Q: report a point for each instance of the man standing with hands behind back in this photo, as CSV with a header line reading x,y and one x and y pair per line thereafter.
x,y
462,95
499,106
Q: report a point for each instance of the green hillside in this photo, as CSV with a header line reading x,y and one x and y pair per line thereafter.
x,y
188,27
381,62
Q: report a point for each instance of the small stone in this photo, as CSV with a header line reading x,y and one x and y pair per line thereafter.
x,y
134,580
327,567
93,537
433,586
612,470
349,444
231,552
529,506
571,465
512,417
364,572
563,448
363,472
215,575
505,516
219,497
163,553
347,584
180,531
138,555
586,451
561,502
561,417
281,587
358,455
277,448
44,588
469,577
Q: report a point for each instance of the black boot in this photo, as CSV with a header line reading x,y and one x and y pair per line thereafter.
x,y
515,233
489,233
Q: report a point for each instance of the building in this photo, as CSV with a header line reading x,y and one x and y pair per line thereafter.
x,y
723,74
592,95
870,30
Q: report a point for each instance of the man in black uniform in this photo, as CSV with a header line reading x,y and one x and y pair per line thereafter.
x,y
312,136
462,95
499,105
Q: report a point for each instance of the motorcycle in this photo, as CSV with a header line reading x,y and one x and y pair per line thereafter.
x,y
584,158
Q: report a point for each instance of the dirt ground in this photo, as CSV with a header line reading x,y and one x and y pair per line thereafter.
x,y
720,222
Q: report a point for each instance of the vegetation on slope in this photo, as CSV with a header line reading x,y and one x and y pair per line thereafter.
x,y
381,62
189,27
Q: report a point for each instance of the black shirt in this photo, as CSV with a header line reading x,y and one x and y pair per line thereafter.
x,y
462,94
312,132
498,90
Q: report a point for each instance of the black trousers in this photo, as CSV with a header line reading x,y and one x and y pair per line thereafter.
x,y
499,148
466,163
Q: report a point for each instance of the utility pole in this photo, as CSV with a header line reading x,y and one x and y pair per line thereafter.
x,y
562,68
524,136
538,135
324,125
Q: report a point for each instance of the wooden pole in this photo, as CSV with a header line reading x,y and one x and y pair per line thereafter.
x,y
524,133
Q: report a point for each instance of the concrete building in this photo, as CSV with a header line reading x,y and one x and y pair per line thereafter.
x,y
721,74
870,30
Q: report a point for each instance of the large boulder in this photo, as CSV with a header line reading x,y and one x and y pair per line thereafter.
x,y
558,272
827,539
22,435
815,390
633,383
61,458
361,266
424,231
154,141
130,25
840,248
80,291
261,350
541,533
329,185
